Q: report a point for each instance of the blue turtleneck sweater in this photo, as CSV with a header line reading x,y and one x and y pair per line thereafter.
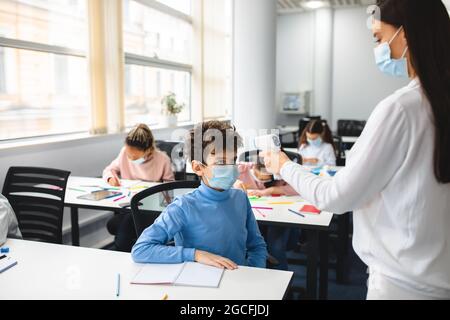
x,y
221,223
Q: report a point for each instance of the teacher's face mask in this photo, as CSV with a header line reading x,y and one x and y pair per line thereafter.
x,y
388,65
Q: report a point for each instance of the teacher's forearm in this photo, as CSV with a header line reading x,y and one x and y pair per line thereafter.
x,y
322,192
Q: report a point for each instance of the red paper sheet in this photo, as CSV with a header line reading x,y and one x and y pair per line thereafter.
x,y
310,209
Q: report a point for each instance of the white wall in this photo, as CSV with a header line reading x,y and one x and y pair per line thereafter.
x,y
295,57
358,85
254,64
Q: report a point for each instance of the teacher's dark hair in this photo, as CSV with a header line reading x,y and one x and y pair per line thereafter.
x,y
427,31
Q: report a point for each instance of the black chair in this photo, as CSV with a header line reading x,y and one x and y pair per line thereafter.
x,y
37,197
253,156
340,153
350,128
294,156
147,205
175,152
289,139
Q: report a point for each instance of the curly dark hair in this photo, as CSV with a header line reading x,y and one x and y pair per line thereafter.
x,y
207,137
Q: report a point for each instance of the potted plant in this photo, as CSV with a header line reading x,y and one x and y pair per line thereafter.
x,y
171,109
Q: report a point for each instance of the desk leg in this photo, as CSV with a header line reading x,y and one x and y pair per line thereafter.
x,y
75,227
311,265
323,282
342,248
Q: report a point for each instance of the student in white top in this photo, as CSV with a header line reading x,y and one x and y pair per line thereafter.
x,y
397,178
8,221
316,145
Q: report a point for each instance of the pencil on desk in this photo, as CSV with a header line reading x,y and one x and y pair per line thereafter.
x,y
262,208
297,213
123,197
262,214
118,285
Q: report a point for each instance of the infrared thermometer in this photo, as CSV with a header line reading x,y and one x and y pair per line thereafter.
x,y
269,142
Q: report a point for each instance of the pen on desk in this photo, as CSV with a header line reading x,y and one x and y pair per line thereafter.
x,y
297,213
262,214
122,197
118,285
262,208
74,189
114,195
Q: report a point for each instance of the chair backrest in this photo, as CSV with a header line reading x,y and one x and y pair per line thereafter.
x,y
249,156
37,197
147,205
350,128
176,154
340,154
294,156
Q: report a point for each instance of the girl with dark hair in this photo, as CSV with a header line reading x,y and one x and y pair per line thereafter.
x,y
316,145
397,178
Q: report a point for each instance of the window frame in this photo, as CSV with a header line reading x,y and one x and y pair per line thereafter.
x,y
146,61
43,48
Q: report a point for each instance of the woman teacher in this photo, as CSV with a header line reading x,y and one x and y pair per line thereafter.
x,y
397,178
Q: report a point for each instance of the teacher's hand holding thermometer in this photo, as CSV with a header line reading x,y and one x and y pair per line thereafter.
x,y
274,159
270,145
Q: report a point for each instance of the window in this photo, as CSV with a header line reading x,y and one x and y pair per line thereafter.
x,y
2,71
44,88
158,45
180,5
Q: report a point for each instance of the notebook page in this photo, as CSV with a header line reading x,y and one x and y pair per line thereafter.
x,y
199,275
158,274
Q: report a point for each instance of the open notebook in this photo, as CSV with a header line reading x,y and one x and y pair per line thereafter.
x,y
185,274
6,263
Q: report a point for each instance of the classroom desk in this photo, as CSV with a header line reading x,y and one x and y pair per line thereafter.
x,y
317,228
287,129
76,186
351,140
55,272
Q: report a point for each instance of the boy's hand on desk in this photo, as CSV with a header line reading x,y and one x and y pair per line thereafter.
x,y
210,259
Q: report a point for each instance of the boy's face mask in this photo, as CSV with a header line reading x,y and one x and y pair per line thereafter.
x,y
223,176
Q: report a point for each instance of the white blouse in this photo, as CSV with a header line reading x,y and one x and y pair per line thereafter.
x,y
325,154
401,212
8,222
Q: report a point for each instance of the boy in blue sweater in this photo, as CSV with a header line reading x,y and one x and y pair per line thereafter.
x,y
214,224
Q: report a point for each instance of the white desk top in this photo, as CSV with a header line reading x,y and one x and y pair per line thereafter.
x,y
349,139
294,150
55,272
281,214
288,129
87,185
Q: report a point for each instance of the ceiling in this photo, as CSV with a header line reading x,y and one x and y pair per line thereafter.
x,y
294,6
